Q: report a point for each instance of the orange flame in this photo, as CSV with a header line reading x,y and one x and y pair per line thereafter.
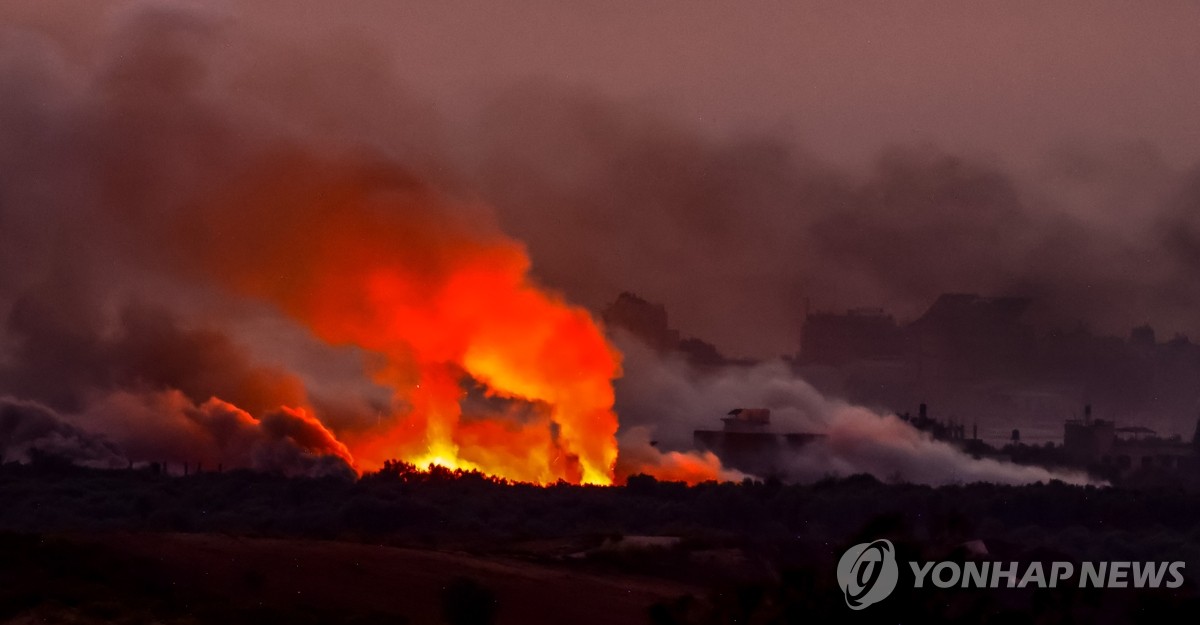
x,y
369,258
486,321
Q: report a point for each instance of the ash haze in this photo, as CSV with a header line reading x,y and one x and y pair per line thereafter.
x,y
865,155
161,161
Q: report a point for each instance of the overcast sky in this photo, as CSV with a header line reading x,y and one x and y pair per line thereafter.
x,y
1010,78
1023,91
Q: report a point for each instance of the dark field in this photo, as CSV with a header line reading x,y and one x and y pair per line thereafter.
x,y
402,547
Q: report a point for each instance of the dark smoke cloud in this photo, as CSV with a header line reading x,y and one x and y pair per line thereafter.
x,y
27,428
736,235
613,197
108,135
169,426
62,362
191,164
126,429
98,157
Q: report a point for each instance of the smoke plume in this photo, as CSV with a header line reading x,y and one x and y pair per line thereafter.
x,y
162,178
665,397
1093,232
173,180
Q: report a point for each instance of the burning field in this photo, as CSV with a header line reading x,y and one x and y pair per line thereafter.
x,y
157,209
485,369
365,256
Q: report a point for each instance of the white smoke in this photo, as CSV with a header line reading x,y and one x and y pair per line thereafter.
x,y
671,399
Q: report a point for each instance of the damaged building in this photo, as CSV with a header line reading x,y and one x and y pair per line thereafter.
x,y
1120,451
748,443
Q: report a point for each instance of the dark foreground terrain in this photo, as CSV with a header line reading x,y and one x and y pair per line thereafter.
x,y
79,546
214,578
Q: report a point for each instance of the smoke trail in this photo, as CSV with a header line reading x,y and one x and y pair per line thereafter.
x,y
666,395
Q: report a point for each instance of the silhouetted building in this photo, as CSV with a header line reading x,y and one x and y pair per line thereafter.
x,y
1086,441
964,336
1143,336
1142,449
747,419
948,431
746,442
648,322
643,319
1123,451
968,314
857,334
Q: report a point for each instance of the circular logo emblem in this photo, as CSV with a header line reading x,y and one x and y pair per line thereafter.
x,y
868,573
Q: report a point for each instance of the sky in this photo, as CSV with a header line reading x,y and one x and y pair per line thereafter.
x,y
844,78
741,163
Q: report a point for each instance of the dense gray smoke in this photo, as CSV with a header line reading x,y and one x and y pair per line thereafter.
x,y
614,196
108,357
1098,234
27,429
664,398
116,120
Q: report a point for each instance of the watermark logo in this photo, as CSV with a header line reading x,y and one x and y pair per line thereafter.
x,y
868,573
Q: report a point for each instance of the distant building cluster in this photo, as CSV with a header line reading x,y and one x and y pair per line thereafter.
x,y
984,360
1010,388
1121,451
648,323
1124,455
1128,455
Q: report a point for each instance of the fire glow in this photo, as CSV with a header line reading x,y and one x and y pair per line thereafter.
x,y
367,259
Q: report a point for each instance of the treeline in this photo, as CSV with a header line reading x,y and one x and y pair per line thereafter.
x,y
406,504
